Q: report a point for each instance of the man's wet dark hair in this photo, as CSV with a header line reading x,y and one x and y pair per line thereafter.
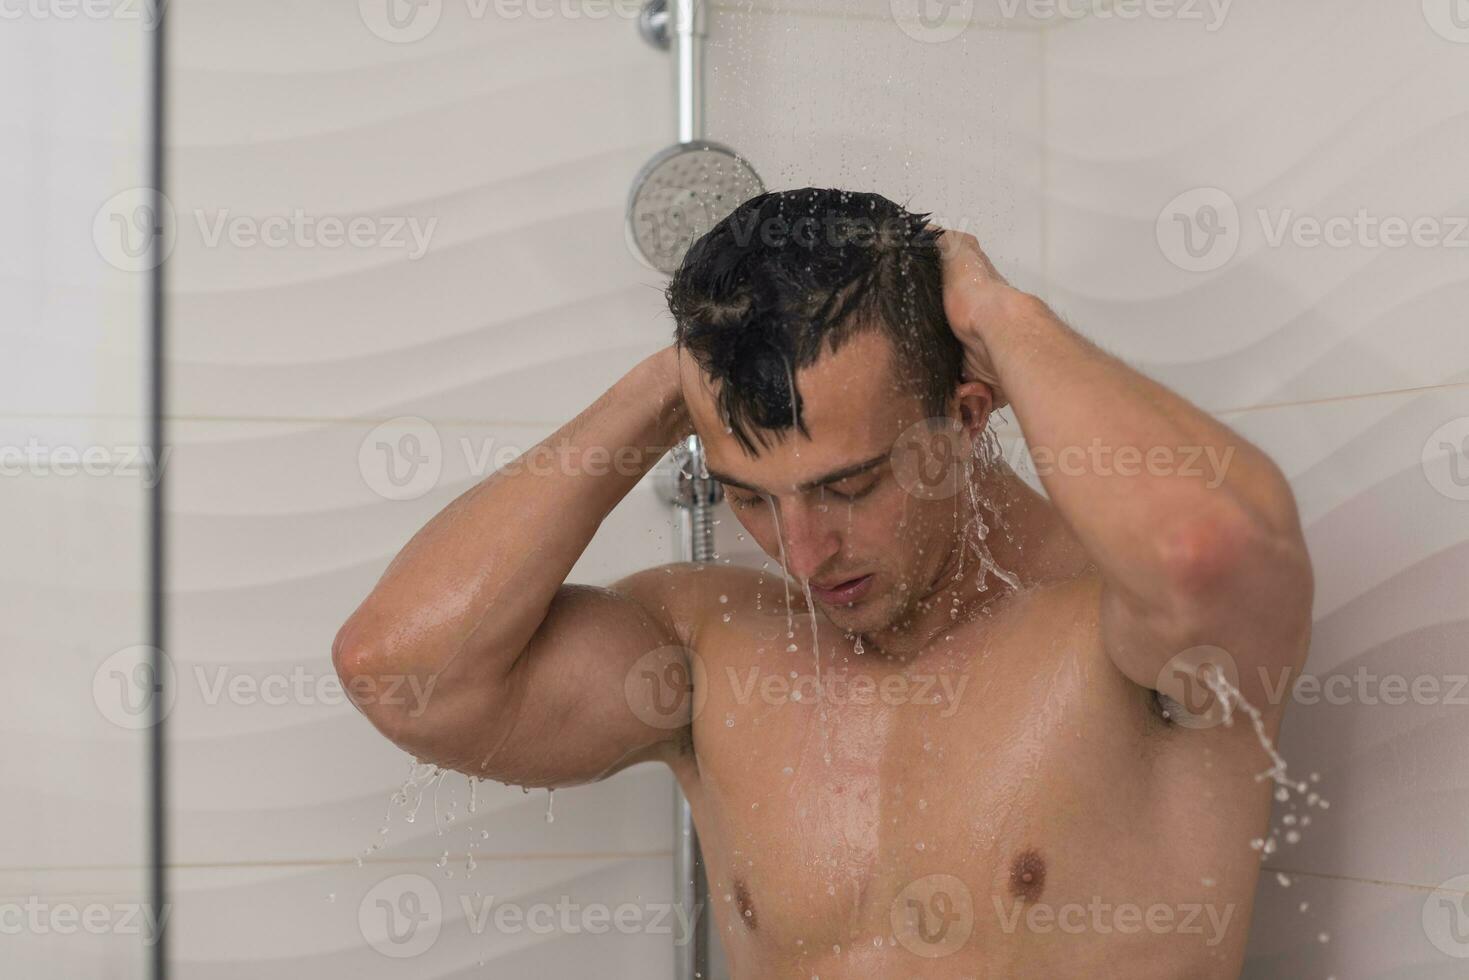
x,y
790,274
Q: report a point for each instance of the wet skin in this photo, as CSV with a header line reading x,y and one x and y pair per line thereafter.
x,y
1006,796
998,800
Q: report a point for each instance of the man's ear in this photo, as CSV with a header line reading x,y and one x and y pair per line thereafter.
x,y
975,401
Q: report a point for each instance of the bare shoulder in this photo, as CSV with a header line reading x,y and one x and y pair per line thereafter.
x,y
1176,727
1060,621
686,595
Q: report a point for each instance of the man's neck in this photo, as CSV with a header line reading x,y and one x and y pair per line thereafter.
x,y
977,571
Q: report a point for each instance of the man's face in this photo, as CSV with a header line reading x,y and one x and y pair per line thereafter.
x,y
832,507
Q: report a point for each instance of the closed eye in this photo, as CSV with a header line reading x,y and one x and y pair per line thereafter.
x,y
848,493
742,501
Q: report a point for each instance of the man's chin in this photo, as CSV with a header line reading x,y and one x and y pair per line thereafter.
x,y
868,616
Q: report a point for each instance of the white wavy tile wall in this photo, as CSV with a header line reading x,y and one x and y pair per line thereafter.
x,y
73,337
512,141
1058,144
1345,363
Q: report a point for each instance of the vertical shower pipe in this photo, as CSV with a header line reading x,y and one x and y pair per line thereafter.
x,y
697,496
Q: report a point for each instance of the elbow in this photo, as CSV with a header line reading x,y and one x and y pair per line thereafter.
x,y
1217,562
350,655
1204,550
365,671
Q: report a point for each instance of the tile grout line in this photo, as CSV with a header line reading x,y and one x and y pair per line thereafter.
x,y
350,420
1045,150
509,856
1000,25
499,856
1327,876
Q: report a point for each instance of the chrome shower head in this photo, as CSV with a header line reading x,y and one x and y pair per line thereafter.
x,y
680,194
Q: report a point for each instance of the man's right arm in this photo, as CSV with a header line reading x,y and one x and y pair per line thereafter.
x,y
471,652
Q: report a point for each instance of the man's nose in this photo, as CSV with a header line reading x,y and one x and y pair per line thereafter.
x,y
811,539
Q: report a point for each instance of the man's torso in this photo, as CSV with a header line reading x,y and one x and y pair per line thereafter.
x,y
1003,804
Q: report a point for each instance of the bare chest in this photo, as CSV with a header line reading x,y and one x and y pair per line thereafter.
x,y
995,807
851,804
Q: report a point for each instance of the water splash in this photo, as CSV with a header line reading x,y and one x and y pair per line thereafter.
x,y
1289,791
780,538
409,798
989,443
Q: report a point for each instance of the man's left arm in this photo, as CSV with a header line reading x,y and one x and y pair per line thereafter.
x,y
1194,530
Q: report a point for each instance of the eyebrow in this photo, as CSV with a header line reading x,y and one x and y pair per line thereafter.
x,y
832,477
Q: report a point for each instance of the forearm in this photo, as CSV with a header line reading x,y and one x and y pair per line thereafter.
x,y
464,596
1138,472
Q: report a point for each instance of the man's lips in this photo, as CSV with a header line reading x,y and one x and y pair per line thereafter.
x,y
848,590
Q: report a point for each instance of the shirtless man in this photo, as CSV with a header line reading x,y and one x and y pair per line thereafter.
x,y
1007,767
